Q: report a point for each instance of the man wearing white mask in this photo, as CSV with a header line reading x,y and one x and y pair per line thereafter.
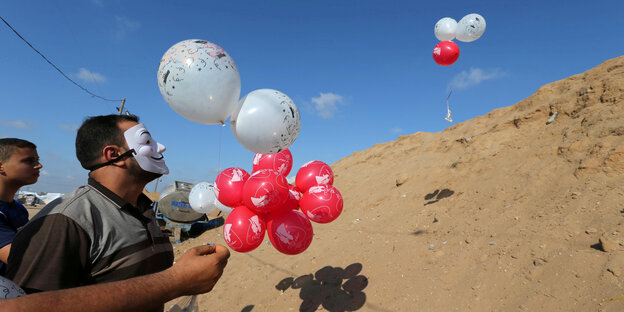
x,y
104,231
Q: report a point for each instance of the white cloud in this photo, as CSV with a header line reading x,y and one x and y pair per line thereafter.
x,y
44,172
17,124
97,2
125,25
397,130
326,105
89,76
474,77
70,128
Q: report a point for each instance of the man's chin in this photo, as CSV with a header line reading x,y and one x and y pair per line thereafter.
x,y
150,176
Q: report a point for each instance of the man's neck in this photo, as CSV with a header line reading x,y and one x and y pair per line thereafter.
x,y
7,191
128,190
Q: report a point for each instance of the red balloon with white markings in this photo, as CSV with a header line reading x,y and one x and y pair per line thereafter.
x,y
243,230
314,173
229,185
290,232
321,203
445,53
292,203
281,162
265,191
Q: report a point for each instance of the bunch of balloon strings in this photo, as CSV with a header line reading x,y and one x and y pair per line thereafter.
x,y
448,117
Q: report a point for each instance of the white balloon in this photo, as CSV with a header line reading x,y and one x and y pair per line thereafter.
x,y
8,289
225,209
266,121
470,28
202,197
445,29
200,81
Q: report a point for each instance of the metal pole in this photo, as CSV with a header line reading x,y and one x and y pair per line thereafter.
x,y
123,101
156,186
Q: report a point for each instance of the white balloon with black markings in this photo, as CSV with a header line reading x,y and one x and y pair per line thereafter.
x,y
200,81
470,28
202,197
8,289
445,29
266,121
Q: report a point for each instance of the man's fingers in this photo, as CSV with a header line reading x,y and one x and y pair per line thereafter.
x,y
222,251
202,250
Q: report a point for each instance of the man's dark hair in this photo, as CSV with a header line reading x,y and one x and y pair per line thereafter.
x,y
8,146
97,132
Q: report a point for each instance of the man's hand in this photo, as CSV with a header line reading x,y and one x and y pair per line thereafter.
x,y
199,269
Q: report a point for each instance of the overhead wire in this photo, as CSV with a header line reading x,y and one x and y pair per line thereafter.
x,y
72,37
55,67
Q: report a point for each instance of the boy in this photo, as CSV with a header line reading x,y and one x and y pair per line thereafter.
x,y
19,166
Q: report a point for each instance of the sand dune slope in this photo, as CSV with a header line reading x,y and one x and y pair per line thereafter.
x,y
504,212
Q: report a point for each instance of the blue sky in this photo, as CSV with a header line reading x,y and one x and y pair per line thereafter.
x,y
360,72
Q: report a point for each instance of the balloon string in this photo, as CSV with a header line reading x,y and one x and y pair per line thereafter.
x,y
219,157
449,117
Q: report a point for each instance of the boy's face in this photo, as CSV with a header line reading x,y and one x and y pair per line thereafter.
x,y
22,167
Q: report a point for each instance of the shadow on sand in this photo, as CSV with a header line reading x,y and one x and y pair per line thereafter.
x,y
326,288
444,193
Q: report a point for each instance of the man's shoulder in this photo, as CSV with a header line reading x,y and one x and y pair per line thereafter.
x,y
71,204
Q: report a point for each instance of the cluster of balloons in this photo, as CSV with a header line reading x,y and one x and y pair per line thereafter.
x,y
470,28
200,81
264,202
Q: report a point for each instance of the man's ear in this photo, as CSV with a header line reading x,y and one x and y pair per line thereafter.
x,y
111,152
2,168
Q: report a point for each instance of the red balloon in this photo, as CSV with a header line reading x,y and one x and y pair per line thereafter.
x,y
314,173
445,53
243,230
281,162
290,232
292,203
322,204
265,191
229,185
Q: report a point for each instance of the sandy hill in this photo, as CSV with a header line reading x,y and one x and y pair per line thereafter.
x,y
504,212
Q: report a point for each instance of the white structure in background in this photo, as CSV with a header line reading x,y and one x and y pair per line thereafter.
x,y
36,198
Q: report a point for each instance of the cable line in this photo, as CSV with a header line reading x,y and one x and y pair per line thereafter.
x,y
60,71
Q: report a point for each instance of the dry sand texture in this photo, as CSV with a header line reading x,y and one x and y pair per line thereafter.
x,y
503,212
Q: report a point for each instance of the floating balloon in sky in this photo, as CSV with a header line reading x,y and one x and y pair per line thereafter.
x,y
265,121
445,53
445,29
470,28
200,81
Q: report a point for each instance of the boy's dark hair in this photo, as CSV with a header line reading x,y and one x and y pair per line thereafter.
x,y
95,133
8,146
